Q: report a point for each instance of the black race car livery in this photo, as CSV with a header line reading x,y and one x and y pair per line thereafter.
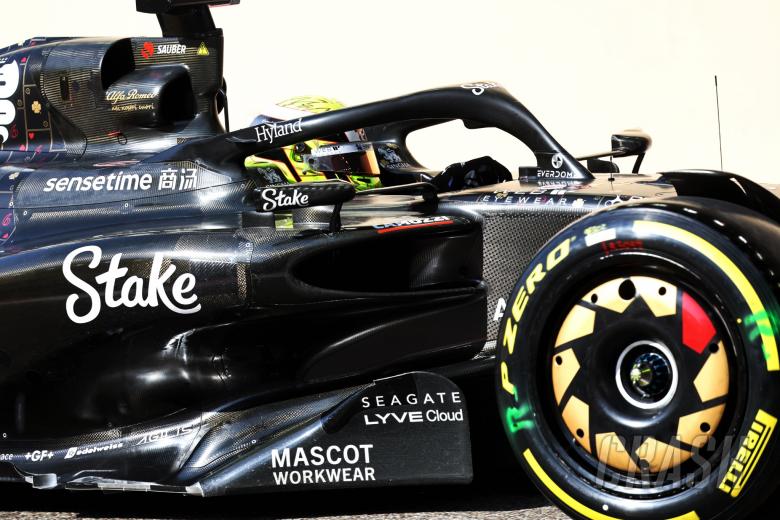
x,y
182,314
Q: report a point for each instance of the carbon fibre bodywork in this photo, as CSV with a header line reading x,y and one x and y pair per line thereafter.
x,y
114,369
164,332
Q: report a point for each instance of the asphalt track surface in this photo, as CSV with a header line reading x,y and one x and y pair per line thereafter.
x,y
504,497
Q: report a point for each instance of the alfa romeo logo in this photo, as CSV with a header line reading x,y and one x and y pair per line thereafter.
x,y
147,51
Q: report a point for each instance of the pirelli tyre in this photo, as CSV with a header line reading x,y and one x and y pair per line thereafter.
x,y
638,371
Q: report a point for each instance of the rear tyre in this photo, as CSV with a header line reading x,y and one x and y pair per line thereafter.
x,y
638,369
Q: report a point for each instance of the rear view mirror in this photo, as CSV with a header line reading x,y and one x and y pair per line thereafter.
x,y
629,143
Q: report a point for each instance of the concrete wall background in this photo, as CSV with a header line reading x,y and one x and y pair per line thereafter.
x,y
586,69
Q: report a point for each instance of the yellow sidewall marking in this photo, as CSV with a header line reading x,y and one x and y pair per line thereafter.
x,y
506,384
687,516
771,422
750,452
728,267
558,492
570,501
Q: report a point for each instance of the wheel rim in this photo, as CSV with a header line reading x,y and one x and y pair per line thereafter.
x,y
640,373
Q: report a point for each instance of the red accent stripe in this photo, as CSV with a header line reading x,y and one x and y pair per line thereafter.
x,y
413,226
697,328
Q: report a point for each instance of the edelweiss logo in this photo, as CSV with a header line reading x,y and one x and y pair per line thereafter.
x,y
267,132
77,452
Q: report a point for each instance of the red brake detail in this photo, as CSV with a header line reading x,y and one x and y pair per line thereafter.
x,y
697,328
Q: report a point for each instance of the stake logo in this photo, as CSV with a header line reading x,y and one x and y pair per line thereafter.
x,y
280,199
478,88
134,292
9,82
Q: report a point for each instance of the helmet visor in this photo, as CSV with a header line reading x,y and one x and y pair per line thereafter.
x,y
346,158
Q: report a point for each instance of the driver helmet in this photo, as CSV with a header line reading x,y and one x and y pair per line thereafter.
x,y
346,156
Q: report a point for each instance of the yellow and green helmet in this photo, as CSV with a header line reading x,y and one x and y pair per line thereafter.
x,y
347,156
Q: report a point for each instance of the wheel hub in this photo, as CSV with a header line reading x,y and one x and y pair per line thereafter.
x,y
646,375
640,374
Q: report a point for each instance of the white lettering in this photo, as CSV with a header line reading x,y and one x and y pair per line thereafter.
x,y
171,49
279,199
133,292
413,222
118,96
39,455
324,476
9,82
112,182
266,133
350,454
76,452
280,461
479,88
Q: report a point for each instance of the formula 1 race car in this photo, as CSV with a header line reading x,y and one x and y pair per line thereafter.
x,y
301,305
